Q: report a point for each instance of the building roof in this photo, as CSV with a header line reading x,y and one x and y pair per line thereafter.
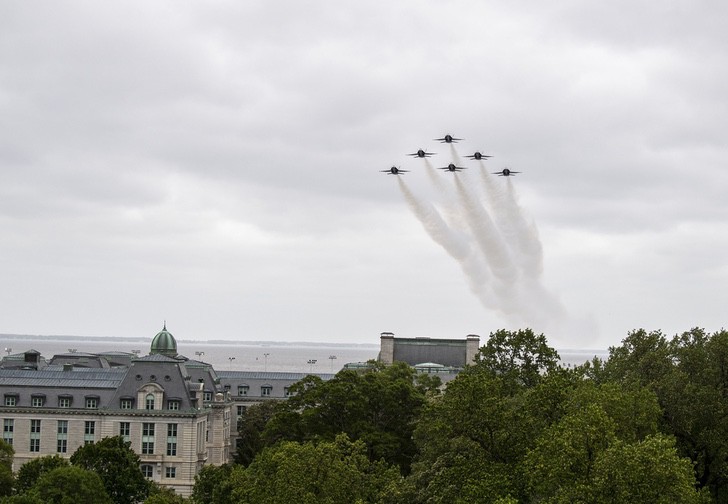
x,y
272,375
56,377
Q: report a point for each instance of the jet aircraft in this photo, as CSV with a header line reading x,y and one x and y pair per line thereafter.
x,y
421,154
478,156
448,139
394,171
505,172
451,167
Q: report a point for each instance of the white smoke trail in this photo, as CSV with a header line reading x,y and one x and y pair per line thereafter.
x,y
520,234
455,156
487,236
495,243
436,180
451,212
538,308
527,239
455,243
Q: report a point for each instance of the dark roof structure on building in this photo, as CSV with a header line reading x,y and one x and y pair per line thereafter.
x,y
429,351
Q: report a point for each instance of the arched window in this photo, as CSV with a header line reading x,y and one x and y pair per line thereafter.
x,y
149,403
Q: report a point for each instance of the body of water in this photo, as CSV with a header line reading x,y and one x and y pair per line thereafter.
x,y
293,357
244,356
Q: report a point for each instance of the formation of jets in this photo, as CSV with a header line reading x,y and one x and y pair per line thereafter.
x,y
477,156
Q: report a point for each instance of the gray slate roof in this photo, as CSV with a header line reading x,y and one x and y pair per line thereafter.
x,y
57,378
262,375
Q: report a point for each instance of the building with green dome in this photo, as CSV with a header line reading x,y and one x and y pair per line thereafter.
x,y
172,410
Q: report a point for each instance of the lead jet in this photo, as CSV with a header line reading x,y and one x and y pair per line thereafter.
x,y
505,172
421,154
451,167
394,171
448,139
478,156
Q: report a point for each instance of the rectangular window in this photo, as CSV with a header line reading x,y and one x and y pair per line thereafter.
x,y
170,472
287,391
207,396
11,400
147,438
8,428
149,402
265,390
62,436
92,403
126,404
89,431
64,402
173,404
37,402
35,436
241,410
124,430
172,439
148,471
243,390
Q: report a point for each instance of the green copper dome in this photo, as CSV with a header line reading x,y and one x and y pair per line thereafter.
x,y
164,343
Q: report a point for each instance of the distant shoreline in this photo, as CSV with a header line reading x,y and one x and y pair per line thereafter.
x,y
263,343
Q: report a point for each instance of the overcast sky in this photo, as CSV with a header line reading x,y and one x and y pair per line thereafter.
x,y
216,164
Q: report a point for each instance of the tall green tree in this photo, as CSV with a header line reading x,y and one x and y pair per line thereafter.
x,y
71,485
689,375
521,357
29,472
163,495
646,471
24,498
250,430
643,357
212,485
314,473
117,465
379,407
470,441
560,467
694,398
6,468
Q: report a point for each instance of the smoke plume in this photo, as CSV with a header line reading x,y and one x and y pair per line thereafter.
x,y
483,228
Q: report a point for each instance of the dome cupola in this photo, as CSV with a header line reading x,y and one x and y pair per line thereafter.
x,y
164,343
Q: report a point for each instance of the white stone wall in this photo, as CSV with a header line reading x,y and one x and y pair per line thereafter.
x,y
192,452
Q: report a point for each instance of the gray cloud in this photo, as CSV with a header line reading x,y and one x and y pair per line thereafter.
x,y
217,163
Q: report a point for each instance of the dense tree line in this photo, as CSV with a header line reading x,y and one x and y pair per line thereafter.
x,y
648,424
645,425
